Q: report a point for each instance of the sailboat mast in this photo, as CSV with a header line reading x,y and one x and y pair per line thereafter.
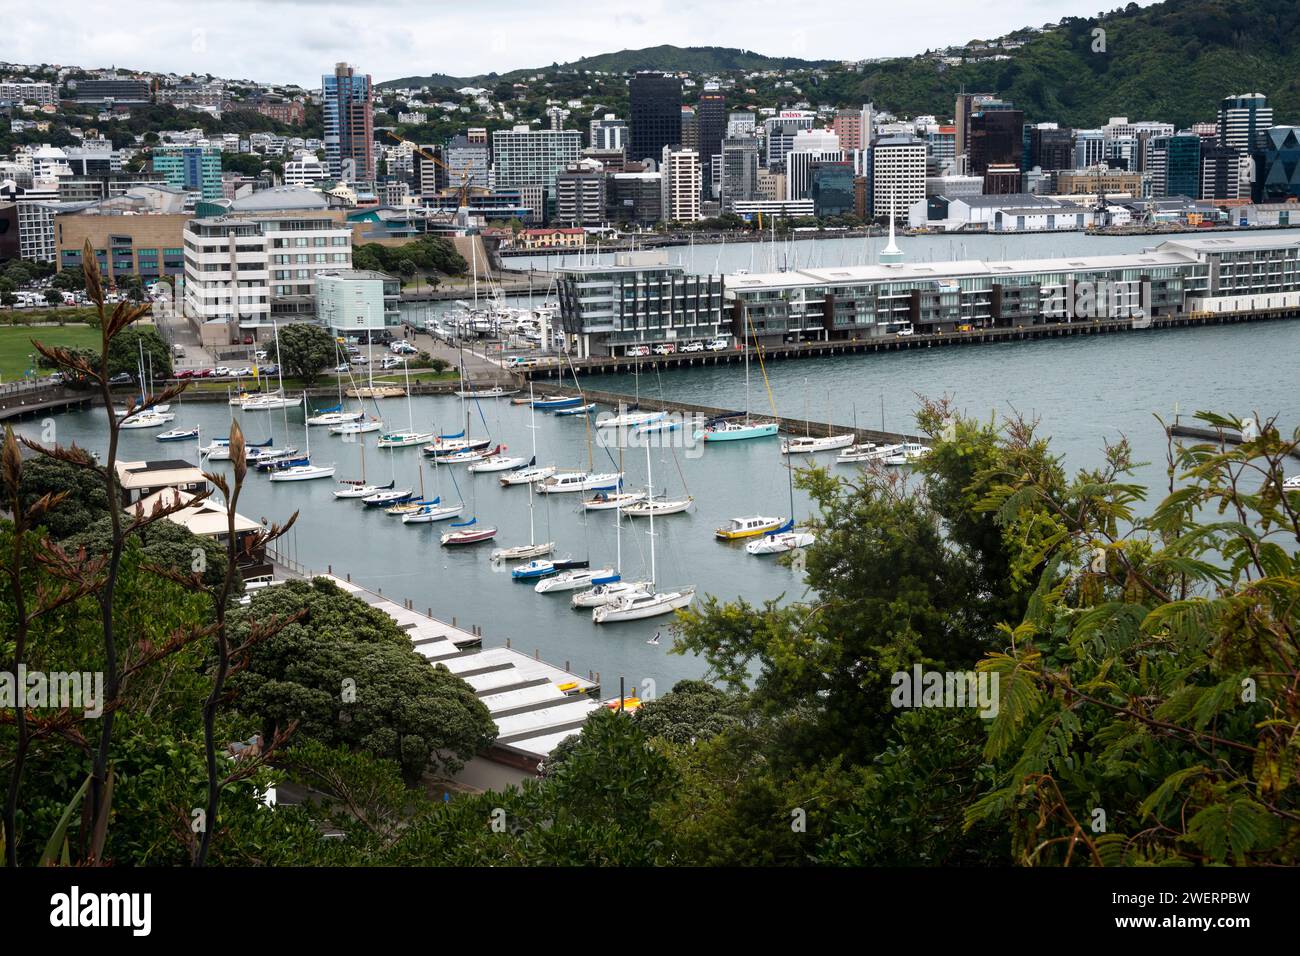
x,y
650,499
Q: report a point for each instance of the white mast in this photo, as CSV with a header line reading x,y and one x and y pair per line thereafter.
x,y
650,498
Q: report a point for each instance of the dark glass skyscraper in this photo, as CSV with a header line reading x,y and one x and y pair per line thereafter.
x,y
996,137
711,125
655,115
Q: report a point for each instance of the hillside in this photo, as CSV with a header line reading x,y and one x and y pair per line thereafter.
x,y
1174,61
696,59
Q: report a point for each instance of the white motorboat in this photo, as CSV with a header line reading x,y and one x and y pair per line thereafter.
x,y
269,403
121,412
1292,483
387,496
149,419
359,489
608,500
812,444
908,453
303,473
494,392
752,526
603,594
780,543
864,451
640,604
579,481
179,434
528,476
576,578
658,507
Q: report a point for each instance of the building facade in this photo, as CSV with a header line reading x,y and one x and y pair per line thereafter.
x,y
357,302
654,115
349,125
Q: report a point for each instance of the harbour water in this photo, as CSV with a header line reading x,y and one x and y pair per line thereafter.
x,y
1084,391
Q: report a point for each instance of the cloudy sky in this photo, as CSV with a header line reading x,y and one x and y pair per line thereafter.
x,y
294,41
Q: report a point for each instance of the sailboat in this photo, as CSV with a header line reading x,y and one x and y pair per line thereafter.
x,y
807,444
739,425
334,415
305,471
605,592
179,434
498,462
408,436
467,532
639,604
532,549
360,488
785,538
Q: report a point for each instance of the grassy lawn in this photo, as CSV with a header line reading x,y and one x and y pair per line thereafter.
x,y
16,345
325,381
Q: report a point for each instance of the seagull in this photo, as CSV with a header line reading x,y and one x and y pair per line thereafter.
x,y
654,640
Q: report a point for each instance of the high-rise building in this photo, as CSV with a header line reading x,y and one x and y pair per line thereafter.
x,y
941,146
349,124
1243,119
680,184
897,175
807,147
1049,147
1176,165
967,104
192,168
430,170
832,188
711,129
1220,173
1277,166
1089,148
633,198
741,123
779,133
469,161
529,159
996,136
580,194
853,127
654,115
739,170
610,132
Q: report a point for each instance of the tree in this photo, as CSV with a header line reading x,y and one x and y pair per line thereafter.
x,y
124,353
82,500
305,350
348,675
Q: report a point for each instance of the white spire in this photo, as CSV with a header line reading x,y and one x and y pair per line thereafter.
x,y
891,253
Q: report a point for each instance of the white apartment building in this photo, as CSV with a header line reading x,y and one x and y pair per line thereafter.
x,y
532,157
897,175
39,94
680,184
305,170
807,147
241,274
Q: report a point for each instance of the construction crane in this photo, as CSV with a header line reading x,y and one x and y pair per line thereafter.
x,y
466,175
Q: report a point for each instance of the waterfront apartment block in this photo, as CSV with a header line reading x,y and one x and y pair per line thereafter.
x,y
1179,276
639,300
356,302
241,274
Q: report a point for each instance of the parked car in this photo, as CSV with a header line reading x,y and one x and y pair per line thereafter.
x,y
391,361
667,348
261,355
345,367
905,330
178,350
185,373
122,378
636,351
271,369
221,371
717,345
242,372
693,347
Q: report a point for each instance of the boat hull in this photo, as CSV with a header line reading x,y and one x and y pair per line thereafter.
x,y
637,608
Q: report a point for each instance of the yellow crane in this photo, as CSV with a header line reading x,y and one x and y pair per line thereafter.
x,y
462,191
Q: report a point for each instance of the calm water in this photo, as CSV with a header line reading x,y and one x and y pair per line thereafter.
x,y
1084,391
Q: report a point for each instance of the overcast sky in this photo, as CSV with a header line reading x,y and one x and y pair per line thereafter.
x,y
290,41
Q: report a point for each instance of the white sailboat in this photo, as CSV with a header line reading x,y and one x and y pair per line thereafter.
x,y
307,472
607,592
532,549
636,605
406,437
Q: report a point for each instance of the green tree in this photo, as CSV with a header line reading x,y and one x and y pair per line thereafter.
x,y
349,676
305,350
124,353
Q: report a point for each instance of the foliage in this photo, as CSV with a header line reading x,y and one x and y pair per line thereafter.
x,y
84,499
427,253
305,350
349,676
125,350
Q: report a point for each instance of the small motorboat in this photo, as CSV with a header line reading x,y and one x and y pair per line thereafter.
x,y
576,410
864,451
178,434
558,401
430,512
359,427
908,453
402,439
467,532
149,419
389,496
658,507
579,481
537,568
812,444
752,526
354,488
303,473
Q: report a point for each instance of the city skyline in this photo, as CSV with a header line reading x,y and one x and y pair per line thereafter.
x,y
252,40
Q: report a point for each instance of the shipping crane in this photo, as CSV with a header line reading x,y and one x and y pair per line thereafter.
x,y
463,190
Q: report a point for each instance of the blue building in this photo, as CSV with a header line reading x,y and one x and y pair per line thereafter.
x,y
1277,165
191,168
349,125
